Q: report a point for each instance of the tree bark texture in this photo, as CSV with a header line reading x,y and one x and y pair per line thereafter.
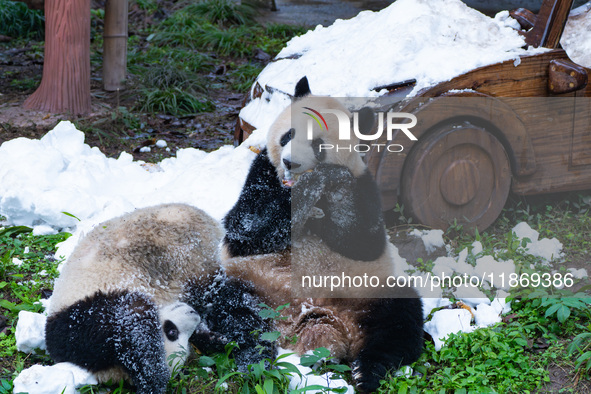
x,y
115,45
65,85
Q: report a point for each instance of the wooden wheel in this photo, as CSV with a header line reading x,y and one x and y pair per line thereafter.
x,y
460,171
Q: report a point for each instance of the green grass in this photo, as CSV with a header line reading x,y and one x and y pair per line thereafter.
x,y
18,21
27,269
580,347
172,100
223,12
171,66
150,6
243,76
25,84
547,327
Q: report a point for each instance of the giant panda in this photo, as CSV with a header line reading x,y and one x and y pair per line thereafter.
x,y
126,301
307,211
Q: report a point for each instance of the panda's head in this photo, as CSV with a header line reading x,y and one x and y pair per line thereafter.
x,y
293,150
179,321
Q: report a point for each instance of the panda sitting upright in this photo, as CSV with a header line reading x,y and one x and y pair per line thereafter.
x,y
307,210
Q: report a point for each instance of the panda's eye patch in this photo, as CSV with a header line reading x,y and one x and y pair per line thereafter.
x,y
318,153
287,137
171,331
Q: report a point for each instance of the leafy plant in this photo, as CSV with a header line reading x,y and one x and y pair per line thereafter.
x,y
174,101
25,83
401,217
172,90
18,20
488,360
581,346
555,313
223,12
235,40
5,387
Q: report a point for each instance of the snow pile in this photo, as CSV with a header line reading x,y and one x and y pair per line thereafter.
x,y
428,40
576,39
448,321
42,179
61,378
546,249
452,321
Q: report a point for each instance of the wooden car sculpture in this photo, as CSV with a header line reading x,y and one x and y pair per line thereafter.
x,y
520,126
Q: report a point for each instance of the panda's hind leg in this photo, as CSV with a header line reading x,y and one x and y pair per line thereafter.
x,y
112,330
393,337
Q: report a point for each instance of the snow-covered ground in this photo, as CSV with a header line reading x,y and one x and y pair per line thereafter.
x,y
44,182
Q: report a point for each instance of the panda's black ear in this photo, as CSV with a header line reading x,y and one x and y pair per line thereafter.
x,y
302,88
367,120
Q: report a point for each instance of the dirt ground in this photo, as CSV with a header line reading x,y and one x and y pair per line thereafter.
x,y
106,130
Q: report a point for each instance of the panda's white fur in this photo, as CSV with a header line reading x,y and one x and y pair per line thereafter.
x,y
298,148
152,250
134,267
185,320
374,334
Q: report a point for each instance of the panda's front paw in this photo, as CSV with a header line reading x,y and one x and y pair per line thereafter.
x,y
367,375
334,174
209,341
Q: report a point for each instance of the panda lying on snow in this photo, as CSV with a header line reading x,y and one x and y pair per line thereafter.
x,y
327,204
124,305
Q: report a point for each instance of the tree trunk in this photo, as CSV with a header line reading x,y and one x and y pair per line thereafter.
x,y
65,86
115,45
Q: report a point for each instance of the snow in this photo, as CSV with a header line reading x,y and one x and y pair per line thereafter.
x,y
59,378
42,179
30,331
43,229
446,322
580,273
546,249
428,40
432,239
308,377
433,303
576,39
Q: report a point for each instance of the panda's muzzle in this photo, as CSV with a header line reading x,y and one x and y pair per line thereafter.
x,y
291,165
